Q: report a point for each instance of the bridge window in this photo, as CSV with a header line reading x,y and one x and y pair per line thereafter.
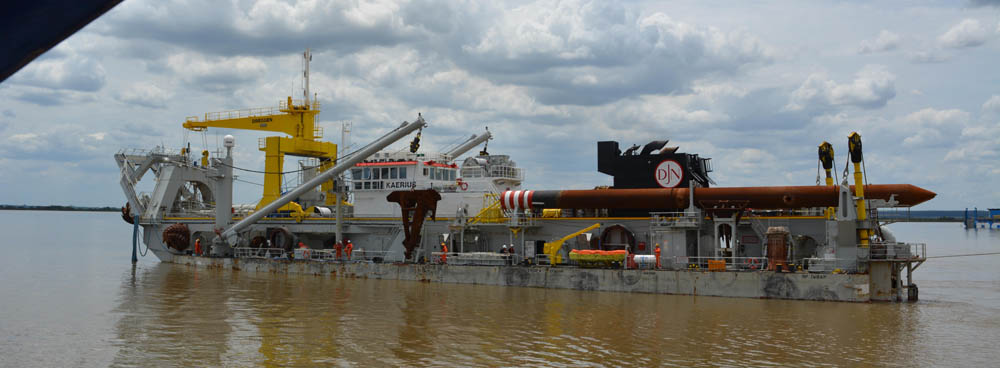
x,y
393,172
356,174
367,174
425,171
385,173
375,174
402,173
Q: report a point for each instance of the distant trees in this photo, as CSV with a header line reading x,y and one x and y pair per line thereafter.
x,y
23,207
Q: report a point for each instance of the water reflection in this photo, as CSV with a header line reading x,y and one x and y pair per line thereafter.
x,y
184,316
74,300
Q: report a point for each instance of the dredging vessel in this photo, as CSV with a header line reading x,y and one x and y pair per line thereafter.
x,y
661,228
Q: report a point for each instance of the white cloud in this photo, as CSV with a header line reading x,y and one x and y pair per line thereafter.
x,y
984,2
145,95
930,126
932,56
548,77
226,27
885,41
72,72
872,87
967,33
218,73
591,52
992,105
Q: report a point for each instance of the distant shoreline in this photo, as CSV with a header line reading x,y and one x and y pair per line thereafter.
x,y
7,207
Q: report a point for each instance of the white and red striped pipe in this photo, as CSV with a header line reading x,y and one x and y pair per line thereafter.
x,y
516,199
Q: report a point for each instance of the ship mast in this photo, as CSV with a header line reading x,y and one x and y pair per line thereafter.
x,y
306,58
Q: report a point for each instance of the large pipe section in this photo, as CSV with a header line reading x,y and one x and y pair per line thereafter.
x,y
229,235
470,144
677,198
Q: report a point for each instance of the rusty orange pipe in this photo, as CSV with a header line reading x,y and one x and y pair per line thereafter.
x,y
675,198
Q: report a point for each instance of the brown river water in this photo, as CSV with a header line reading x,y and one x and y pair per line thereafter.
x,y
70,297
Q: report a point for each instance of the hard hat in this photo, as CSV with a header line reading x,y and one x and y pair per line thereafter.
x,y
348,240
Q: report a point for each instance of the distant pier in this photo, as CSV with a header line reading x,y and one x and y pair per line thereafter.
x,y
975,221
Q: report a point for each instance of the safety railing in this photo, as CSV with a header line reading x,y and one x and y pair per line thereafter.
x,y
235,114
145,152
363,255
297,103
731,263
473,258
897,251
835,265
521,219
807,212
492,212
494,171
313,254
330,255
675,219
259,253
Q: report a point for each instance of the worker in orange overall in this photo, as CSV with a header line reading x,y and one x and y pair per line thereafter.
x,y
444,253
338,247
197,247
657,255
349,248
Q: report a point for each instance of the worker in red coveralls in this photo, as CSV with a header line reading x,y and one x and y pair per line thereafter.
x,y
338,248
349,248
444,253
305,253
197,247
657,255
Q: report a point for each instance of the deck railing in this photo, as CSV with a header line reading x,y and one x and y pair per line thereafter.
x,y
260,253
897,251
675,219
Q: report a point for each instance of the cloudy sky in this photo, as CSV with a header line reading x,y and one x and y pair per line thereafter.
x,y
754,86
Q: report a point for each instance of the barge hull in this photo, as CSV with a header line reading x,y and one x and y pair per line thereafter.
x,y
756,284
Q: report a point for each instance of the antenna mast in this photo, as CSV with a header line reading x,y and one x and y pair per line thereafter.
x,y
345,137
306,58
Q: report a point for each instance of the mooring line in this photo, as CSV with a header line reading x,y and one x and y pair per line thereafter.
x,y
965,255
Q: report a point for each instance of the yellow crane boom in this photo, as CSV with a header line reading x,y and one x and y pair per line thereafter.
x,y
296,120
552,248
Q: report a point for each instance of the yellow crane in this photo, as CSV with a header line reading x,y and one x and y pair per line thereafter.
x,y
552,248
296,120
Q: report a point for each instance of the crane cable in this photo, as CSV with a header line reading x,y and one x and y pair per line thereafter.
x,y
285,172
